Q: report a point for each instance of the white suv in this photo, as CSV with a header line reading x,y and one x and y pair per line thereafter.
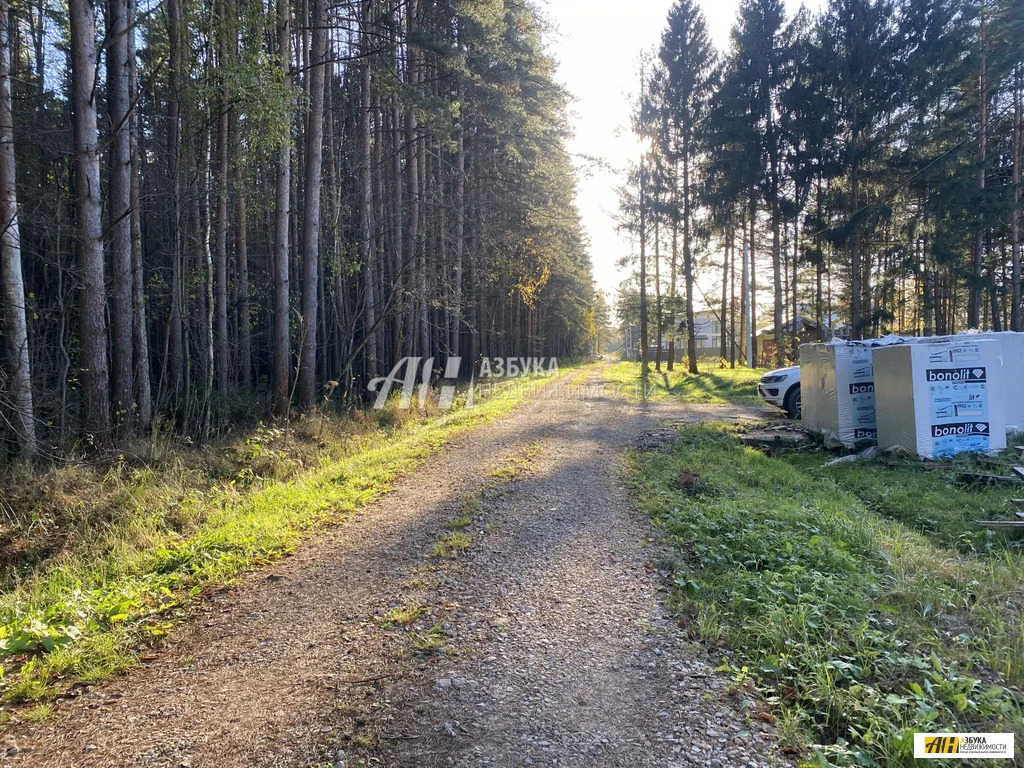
x,y
781,388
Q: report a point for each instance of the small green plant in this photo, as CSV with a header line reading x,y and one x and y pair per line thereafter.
x,y
452,545
404,615
518,464
431,640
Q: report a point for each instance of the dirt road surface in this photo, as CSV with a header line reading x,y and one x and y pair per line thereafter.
x,y
546,643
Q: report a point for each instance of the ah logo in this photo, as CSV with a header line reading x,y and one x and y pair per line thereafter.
x,y
941,745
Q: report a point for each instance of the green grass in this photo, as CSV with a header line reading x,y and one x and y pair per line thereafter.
x,y
404,615
712,384
451,545
858,629
927,496
516,465
147,542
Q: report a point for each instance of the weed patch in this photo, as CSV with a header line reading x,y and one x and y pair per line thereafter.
x,y
451,545
404,615
929,497
857,629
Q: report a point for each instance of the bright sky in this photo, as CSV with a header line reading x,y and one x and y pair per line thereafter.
x,y
598,45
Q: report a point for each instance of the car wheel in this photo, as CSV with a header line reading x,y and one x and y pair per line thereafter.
x,y
793,404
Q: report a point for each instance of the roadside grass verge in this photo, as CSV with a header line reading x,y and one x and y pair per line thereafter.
x,y
712,385
134,546
857,629
928,497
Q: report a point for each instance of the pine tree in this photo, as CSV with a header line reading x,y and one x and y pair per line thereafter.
x,y
689,61
11,274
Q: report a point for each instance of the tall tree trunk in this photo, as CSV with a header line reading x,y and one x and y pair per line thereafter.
x,y
119,207
209,333
657,295
752,357
977,285
1018,139
856,275
724,340
412,163
16,325
460,226
311,209
222,360
732,295
176,331
381,229
673,270
929,290
241,296
282,223
797,322
745,297
691,337
242,278
778,309
94,371
140,332
643,274
366,203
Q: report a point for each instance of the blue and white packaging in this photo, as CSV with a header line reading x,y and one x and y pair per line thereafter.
x,y
837,390
1011,392
940,398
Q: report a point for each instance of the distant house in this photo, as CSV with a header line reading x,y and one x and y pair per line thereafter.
x,y
708,329
707,335
707,332
806,329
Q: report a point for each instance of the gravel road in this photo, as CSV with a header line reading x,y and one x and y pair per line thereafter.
x,y
547,643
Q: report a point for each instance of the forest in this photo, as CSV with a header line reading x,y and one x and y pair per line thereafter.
x,y
859,166
215,212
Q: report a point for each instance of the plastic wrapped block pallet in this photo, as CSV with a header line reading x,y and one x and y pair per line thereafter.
x,y
1011,389
838,392
939,398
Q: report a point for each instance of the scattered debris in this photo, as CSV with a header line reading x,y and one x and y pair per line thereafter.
x,y
769,437
982,479
688,481
656,439
868,453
